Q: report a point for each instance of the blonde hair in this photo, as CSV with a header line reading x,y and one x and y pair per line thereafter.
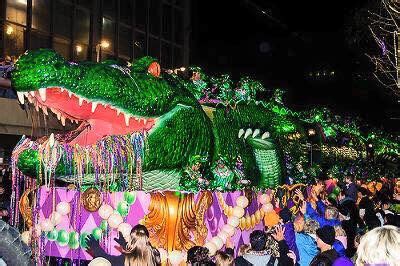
x,y
299,223
223,259
243,249
139,251
311,226
339,231
380,246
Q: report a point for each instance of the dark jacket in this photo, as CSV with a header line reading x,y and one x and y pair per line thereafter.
x,y
330,255
266,259
351,191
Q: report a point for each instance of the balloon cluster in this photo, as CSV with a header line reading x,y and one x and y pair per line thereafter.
x,y
228,230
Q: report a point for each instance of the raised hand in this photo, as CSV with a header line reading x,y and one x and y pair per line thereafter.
x,y
292,255
279,233
121,240
299,194
91,242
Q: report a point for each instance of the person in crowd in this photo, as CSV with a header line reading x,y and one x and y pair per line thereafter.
x,y
243,249
349,226
258,255
285,216
223,259
320,212
351,187
325,241
137,251
380,246
305,243
199,256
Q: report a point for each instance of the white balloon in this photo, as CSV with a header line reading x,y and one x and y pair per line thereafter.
x,y
46,225
268,207
26,237
242,201
114,220
219,243
105,211
238,212
212,248
223,235
163,255
264,199
63,208
55,218
175,257
229,229
125,229
234,221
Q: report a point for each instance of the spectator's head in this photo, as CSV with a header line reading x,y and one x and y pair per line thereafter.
x,y
322,261
363,192
331,213
372,222
243,249
385,204
311,226
325,237
344,213
392,219
299,223
285,215
223,259
380,246
138,250
258,239
198,256
349,179
357,240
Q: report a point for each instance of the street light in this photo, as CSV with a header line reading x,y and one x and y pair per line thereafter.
x,y
104,44
9,30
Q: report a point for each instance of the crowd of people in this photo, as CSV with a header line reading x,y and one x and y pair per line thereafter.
x,y
357,228
5,192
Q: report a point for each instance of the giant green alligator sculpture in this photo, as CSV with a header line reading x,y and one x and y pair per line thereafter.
x,y
118,108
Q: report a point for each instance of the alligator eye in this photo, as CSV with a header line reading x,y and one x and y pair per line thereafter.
x,y
154,69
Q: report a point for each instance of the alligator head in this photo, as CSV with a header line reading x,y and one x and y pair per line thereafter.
x,y
105,99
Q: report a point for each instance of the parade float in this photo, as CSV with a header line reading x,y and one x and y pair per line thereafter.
x,y
193,159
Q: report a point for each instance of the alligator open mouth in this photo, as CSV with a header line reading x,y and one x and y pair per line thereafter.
x,y
95,120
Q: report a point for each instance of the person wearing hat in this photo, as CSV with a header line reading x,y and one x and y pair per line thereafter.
x,y
325,240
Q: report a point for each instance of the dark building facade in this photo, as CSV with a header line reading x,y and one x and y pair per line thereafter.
x,y
127,29
85,30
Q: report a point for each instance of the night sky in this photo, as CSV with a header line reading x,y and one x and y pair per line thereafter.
x,y
289,40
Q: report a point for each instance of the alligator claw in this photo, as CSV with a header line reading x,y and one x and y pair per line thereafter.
x,y
265,135
255,133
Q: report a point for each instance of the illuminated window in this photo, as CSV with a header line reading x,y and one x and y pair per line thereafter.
x,y
16,11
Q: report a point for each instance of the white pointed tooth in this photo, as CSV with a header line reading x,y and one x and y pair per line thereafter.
x,y
145,121
42,93
30,99
118,112
94,105
44,108
80,101
248,133
21,98
63,120
32,93
62,89
126,119
76,121
69,94
26,93
255,133
241,132
51,140
58,115
265,135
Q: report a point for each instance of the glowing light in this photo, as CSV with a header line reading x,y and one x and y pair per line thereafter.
x,y
78,48
182,69
311,132
104,44
9,30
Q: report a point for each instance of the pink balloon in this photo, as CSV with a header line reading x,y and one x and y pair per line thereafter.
x,y
267,207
